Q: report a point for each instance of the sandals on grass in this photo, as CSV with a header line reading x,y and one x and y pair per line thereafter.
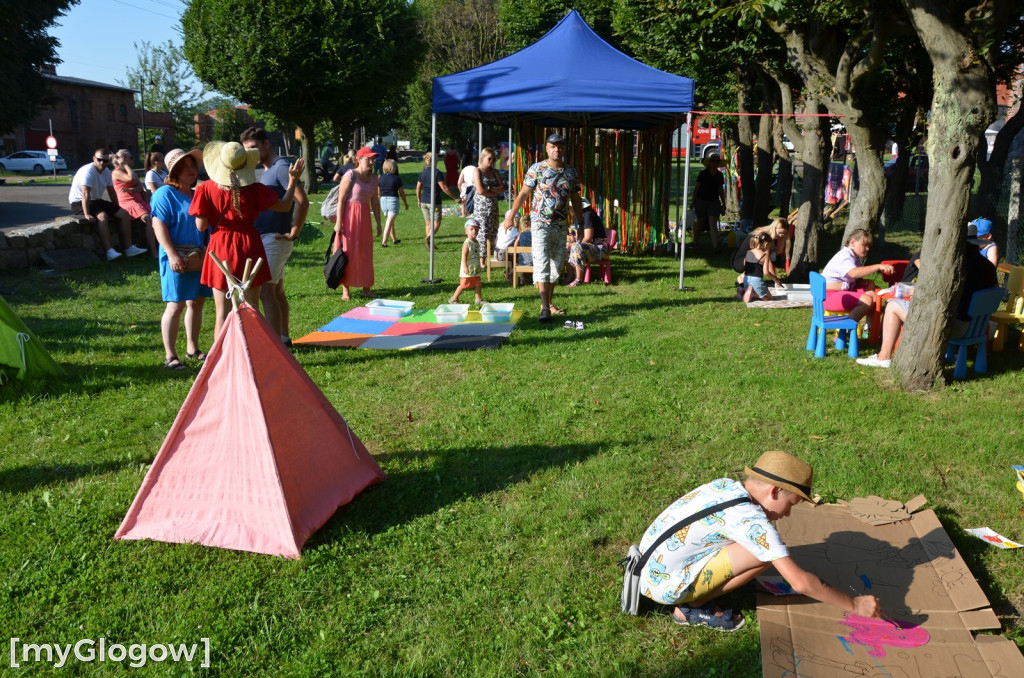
x,y
705,616
173,363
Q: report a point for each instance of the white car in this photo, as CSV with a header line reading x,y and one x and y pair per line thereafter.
x,y
31,161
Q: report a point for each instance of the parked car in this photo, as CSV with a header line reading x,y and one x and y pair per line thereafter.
x,y
917,172
37,162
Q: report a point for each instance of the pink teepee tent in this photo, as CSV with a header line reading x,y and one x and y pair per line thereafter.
x,y
257,459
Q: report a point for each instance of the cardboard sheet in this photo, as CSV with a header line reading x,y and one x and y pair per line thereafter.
x,y
931,601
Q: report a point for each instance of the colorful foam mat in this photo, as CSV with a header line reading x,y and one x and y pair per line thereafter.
x,y
359,328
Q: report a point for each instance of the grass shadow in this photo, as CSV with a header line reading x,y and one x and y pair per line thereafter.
x,y
441,478
28,478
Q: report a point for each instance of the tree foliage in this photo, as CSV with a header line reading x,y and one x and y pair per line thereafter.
x,y
164,77
26,47
306,60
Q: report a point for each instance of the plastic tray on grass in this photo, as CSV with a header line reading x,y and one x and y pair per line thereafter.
x,y
390,308
451,313
792,292
496,313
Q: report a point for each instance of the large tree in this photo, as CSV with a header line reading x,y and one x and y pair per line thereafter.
x,y
305,60
26,48
165,82
962,39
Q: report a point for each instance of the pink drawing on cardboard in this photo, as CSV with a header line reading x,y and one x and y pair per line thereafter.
x,y
875,634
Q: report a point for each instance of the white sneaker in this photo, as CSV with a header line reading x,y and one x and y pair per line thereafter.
x,y
134,251
112,254
873,361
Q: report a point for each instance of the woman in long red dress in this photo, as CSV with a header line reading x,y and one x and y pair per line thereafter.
x,y
229,204
357,197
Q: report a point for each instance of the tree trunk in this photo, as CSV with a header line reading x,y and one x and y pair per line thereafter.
x,y
1013,213
962,104
992,167
744,152
815,149
895,193
730,147
765,161
308,156
866,208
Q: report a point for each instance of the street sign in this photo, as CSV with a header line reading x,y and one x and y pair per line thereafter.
x,y
52,153
51,141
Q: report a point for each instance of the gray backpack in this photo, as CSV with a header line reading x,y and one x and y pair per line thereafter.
x,y
329,207
634,562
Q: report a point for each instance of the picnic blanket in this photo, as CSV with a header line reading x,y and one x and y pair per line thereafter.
x,y
359,328
780,303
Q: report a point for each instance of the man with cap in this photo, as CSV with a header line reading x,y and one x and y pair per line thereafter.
x,y
709,200
158,144
731,547
278,230
980,233
554,186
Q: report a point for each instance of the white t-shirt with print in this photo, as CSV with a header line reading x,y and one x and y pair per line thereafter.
x,y
674,566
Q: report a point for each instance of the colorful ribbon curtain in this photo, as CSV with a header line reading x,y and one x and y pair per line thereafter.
x,y
629,167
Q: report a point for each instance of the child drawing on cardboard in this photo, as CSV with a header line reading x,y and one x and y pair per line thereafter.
x,y
691,575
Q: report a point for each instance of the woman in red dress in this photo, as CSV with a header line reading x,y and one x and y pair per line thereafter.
x,y
358,196
229,204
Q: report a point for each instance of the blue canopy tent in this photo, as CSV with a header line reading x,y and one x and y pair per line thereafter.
x,y
570,77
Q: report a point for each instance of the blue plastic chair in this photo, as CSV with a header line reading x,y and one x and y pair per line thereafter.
x,y
844,325
983,304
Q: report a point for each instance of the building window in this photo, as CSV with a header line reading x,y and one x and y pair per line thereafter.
x,y
124,112
110,111
73,114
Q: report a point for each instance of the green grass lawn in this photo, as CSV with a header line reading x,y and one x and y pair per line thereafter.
x,y
517,477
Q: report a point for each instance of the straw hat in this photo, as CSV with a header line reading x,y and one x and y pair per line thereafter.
x,y
223,160
784,471
176,154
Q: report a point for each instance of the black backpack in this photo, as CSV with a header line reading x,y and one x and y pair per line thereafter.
x,y
334,265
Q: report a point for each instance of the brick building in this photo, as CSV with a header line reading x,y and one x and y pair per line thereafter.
x,y
86,115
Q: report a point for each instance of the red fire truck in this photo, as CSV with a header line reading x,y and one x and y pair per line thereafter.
x,y
706,140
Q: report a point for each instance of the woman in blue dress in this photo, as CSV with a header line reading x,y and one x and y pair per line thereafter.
x,y
173,226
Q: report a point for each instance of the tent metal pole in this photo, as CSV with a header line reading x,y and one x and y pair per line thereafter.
x,y
433,196
480,140
686,192
511,164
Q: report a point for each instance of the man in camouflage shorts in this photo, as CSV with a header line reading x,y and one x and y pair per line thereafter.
x,y
554,186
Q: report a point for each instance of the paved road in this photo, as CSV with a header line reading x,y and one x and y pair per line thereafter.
x,y
28,204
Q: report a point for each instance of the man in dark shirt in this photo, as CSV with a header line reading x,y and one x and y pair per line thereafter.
x,y
431,211
709,200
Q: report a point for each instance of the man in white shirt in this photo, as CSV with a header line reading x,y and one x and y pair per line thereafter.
x,y
85,197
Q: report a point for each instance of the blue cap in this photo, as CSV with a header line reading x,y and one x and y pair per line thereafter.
x,y
982,227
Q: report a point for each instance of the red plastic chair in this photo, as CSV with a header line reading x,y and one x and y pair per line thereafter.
x,y
604,267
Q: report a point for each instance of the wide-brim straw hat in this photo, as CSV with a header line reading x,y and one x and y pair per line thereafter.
x,y
176,154
784,471
223,160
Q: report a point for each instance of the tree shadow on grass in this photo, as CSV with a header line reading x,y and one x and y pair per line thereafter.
x,y
28,478
441,478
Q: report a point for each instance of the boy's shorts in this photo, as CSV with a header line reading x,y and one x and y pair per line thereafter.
x,y
472,281
715,573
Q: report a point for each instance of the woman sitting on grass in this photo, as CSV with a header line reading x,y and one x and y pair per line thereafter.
x,y
846,290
